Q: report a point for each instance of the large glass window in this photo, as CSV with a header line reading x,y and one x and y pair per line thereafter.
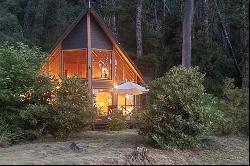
x,y
101,62
102,100
75,62
119,66
123,72
52,67
129,75
126,103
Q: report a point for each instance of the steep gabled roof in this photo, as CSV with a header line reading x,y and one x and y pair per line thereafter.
x,y
107,32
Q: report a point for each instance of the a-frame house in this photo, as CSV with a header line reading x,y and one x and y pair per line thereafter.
x,y
88,48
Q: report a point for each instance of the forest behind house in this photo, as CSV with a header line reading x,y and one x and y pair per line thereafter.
x,y
40,23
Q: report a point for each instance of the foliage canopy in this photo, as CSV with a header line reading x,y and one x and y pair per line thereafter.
x,y
179,111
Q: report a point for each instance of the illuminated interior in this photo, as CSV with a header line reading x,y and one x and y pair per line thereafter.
x,y
129,75
52,66
125,103
123,72
75,62
102,100
101,61
118,67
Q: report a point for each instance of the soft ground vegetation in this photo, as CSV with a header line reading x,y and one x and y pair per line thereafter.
x,y
235,108
106,147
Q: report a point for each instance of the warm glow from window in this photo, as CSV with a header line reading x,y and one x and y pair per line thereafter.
x,y
101,64
102,100
119,66
75,62
52,66
126,101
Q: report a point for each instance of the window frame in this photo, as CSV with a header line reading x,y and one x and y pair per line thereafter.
x,y
111,64
72,50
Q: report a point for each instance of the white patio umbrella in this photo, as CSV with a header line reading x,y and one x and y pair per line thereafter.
x,y
130,88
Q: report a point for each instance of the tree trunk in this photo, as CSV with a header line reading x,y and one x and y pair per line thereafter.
x,y
139,28
245,79
164,8
156,18
187,33
114,20
114,28
206,23
245,49
225,34
28,18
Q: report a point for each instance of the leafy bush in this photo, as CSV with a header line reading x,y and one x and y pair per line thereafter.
x,y
72,108
8,135
35,104
117,121
37,119
179,110
37,113
18,70
68,108
234,106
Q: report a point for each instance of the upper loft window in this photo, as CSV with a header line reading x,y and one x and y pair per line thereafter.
x,y
101,62
75,62
123,72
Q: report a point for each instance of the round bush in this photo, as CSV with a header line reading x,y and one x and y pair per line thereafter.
x,y
117,121
179,110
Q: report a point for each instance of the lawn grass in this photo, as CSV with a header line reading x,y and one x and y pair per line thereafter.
x,y
106,147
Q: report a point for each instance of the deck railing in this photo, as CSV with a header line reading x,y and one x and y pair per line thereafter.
x,y
126,110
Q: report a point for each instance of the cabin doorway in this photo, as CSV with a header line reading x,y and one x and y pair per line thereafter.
x,y
102,101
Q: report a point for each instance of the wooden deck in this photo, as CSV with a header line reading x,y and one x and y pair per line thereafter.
x,y
102,120
101,123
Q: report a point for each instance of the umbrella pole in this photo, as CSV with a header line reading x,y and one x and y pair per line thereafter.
x,y
134,97
125,103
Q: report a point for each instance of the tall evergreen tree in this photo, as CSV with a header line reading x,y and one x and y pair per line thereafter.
x,y
139,27
187,33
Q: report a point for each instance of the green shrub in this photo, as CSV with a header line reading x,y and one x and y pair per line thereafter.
x,y
72,108
37,120
233,104
8,135
37,104
116,121
18,71
179,111
43,90
60,110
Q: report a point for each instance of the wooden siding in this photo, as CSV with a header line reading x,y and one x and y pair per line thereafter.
x,y
106,84
52,65
99,38
119,68
77,38
129,75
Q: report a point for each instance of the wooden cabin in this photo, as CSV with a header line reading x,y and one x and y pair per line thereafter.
x,y
88,48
